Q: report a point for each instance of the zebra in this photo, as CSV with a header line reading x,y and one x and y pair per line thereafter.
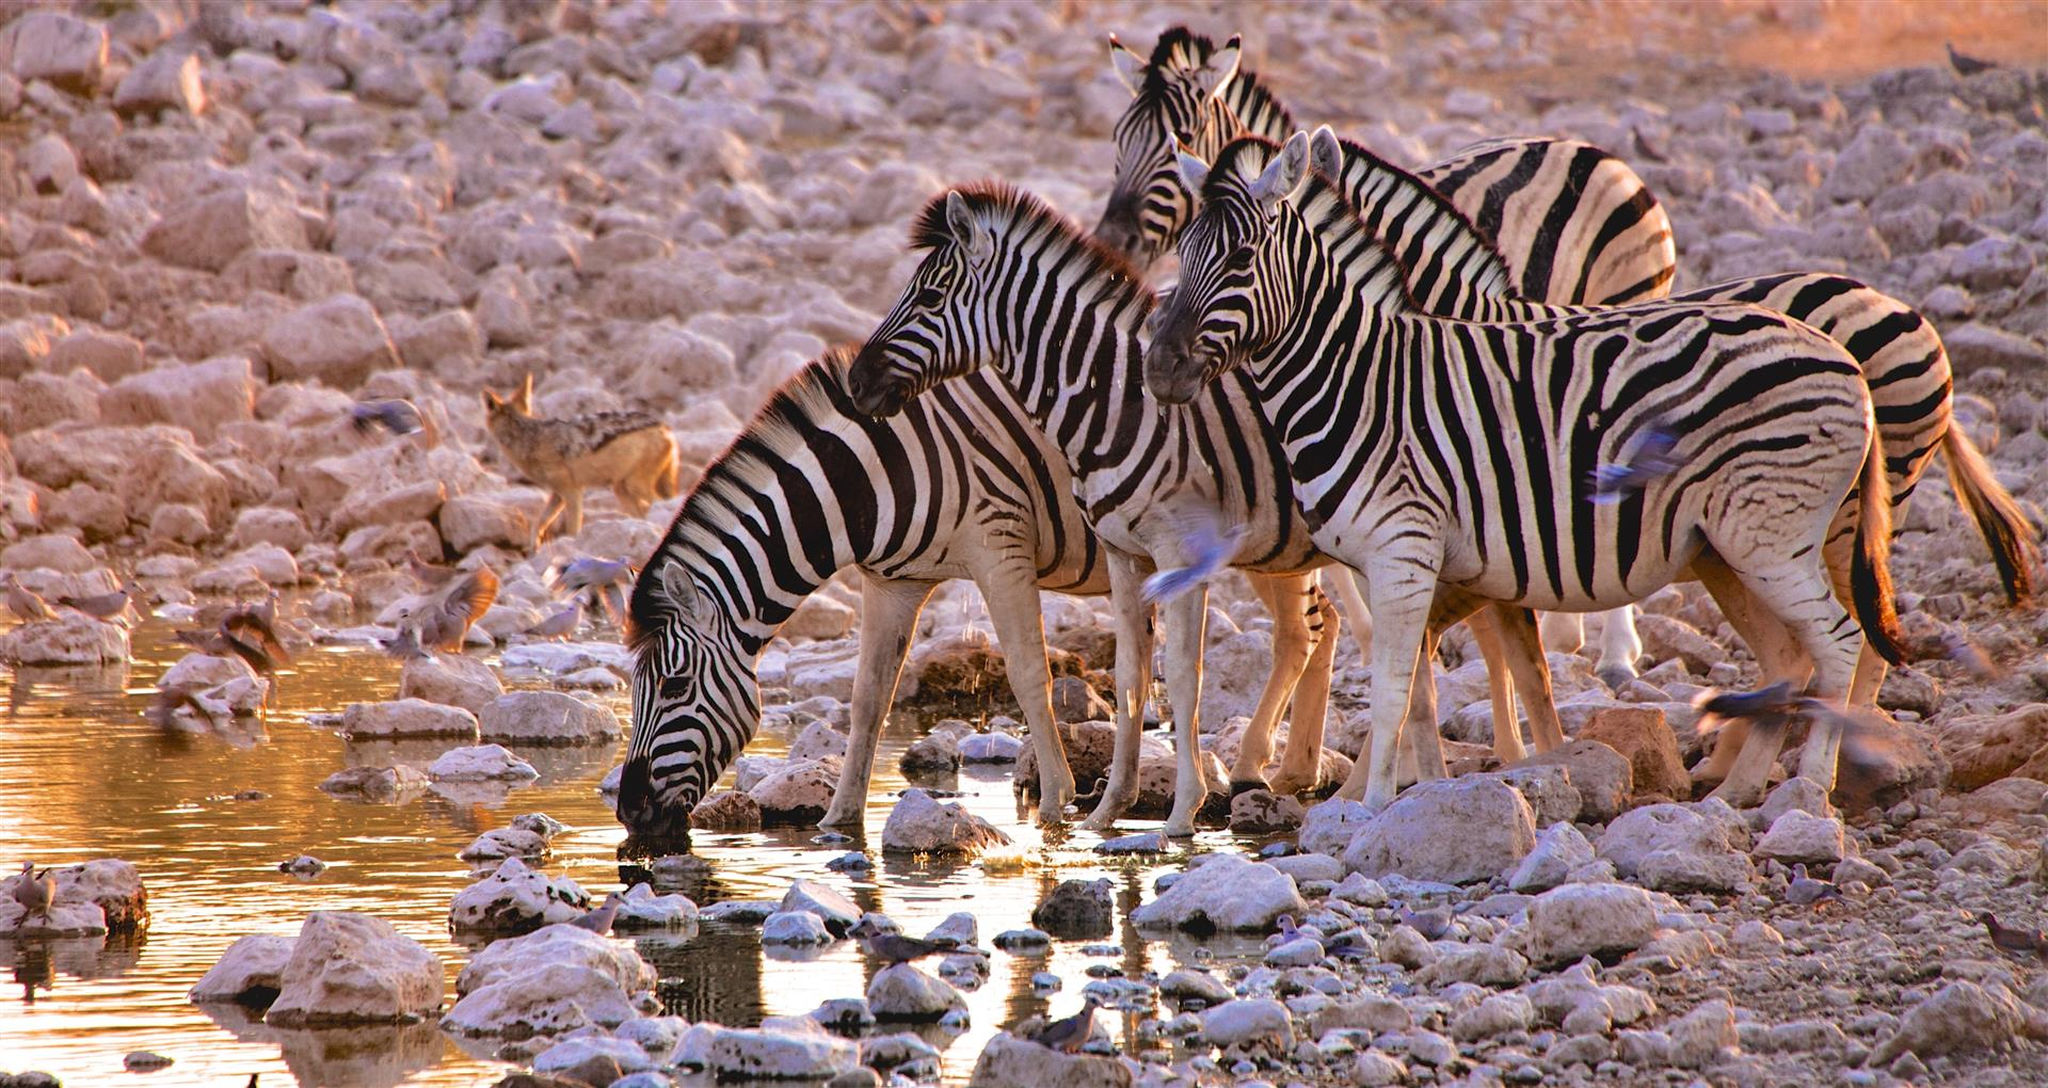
x,y
1009,285
963,484
1426,449
1453,272
1575,224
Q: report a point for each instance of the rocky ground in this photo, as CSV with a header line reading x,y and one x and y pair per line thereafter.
x,y
221,224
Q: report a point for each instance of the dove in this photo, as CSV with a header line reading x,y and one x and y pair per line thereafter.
x,y
561,624
1068,1036
103,606
34,892
443,621
208,711
584,572
24,602
1967,65
404,645
1649,459
2011,938
894,948
398,416
1210,545
599,920
1432,923
1806,891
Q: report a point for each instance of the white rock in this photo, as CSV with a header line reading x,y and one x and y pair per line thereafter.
x,y
1674,847
201,397
780,1054
592,1059
817,741
1799,836
48,45
990,748
1579,920
902,992
1496,830
1961,1018
1243,1022
546,717
836,910
250,966
641,909
452,680
406,718
516,897
500,843
548,999
478,763
73,638
1560,849
561,945
339,341
1227,893
1498,1014
799,790
794,927
210,231
355,968
1010,1062
921,824
167,79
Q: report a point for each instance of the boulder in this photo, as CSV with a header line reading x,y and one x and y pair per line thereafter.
x,y
727,810
57,48
1578,920
1800,836
376,784
779,1055
640,910
1982,748
1246,1022
201,397
452,680
73,638
406,718
1644,738
797,792
991,748
1495,830
545,999
593,1060
1010,1062
1560,851
1672,847
902,992
1962,1018
1329,826
500,843
834,909
546,717
355,968
1262,812
1225,893
920,824
1602,776
210,231
49,552
469,522
481,763
1077,909
1548,789
556,945
251,971
516,899
112,885
339,341
794,927
167,79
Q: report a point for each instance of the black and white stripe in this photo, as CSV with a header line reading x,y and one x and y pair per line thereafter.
x,y
960,486
1425,448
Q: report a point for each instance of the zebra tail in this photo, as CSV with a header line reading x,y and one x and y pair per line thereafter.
x,y
2007,532
1870,575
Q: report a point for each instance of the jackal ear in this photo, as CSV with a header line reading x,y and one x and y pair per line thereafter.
x,y
682,593
492,401
1129,67
973,237
1285,174
1193,171
1221,68
524,397
1326,152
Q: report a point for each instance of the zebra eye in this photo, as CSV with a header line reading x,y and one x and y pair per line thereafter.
x,y
929,298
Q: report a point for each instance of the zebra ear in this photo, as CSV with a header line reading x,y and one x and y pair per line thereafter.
x,y
1221,68
1193,171
972,236
1129,67
1326,152
681,590
1284,174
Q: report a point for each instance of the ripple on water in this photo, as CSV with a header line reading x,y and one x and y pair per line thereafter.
x,y
82,775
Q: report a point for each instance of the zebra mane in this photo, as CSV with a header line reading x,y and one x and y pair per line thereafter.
x,y
1442,211
815,394
1251,101
1323,207
1180,49
1001,202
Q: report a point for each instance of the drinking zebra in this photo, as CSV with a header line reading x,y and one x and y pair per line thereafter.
x,y
1426,449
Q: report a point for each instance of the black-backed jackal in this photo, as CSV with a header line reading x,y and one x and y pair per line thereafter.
x,y
630,452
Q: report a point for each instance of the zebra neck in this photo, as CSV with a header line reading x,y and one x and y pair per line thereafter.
x,y
1078,368
1253,110
1452,269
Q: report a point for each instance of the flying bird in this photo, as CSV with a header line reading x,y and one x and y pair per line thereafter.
x,y
1970,657
24,603
584,572
246,631
209,712
400,417
1210,545
1967,65
34,892
444,619
599,920
404,644
1651,459
1068,1036
429,575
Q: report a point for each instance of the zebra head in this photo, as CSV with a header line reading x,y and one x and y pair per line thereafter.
x,y
934,332
1235,287
1174,98
695,704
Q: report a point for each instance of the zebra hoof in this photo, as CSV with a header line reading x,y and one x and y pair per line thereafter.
x,y
1238,786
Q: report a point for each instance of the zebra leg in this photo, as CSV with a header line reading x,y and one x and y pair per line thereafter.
x,y
1421,757
1564,632
1500,684
1301,766
1133,681
1402,586
1286,599
888,616
1341,583
1522,646
1620,646
1745,760
1011,590
1187,621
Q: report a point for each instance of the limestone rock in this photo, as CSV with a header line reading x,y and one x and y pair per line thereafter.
x,y
67,52
920,824
406,718
1962,1017
209,232
1800,836
1644,738
451,680
1983,748
902,992
251,971
546,717
556,944
515,899
354,968
481,763
1559,851
167,79
1245,1022
1261,812
1578,920
339,341
547,999
1226,893
1496,829
1602,776
1329,826
1077,909
780,1055
1010,1062
201,398
797,792
836,910
73,638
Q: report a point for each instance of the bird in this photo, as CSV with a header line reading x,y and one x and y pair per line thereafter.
x,y
24,602
103,606
210,712
1068,1036
894,948
397,415
247,632
1806,891
561,624
2012,939
1348,944
1967,65
429,575
444,620
404,645
1210,544
584,572
1649,460
1432,923
1970,657
599,919
34,891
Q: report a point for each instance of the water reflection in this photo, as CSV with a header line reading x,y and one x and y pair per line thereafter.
x,y
83,775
